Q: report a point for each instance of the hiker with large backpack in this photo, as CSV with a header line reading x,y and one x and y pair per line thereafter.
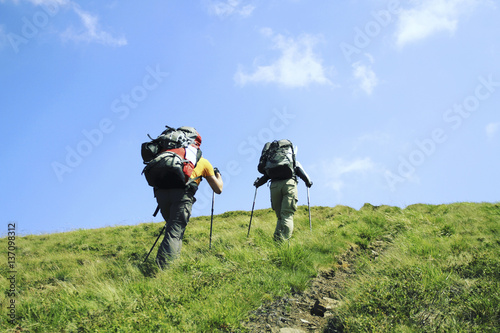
x,y
278,164
174,168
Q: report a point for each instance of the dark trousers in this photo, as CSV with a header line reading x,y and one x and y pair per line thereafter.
x,y
175,206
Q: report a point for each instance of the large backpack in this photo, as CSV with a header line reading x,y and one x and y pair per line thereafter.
x,y
277,160
171,157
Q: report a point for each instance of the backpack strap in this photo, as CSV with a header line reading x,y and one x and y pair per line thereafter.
x,y
263,158
194,179
293,155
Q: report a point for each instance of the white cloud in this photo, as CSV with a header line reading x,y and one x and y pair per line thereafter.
x,y
49,2
365,75
492,129
92,31
298,65
431,16
3,36
341,167
335,171
230,7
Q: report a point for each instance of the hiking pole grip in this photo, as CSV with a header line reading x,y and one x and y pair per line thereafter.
x,y
211,220
309,206
161,232
251,215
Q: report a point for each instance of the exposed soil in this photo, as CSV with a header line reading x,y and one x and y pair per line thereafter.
x,y
310,310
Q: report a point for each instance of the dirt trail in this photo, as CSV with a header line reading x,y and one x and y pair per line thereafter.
x,y
310,311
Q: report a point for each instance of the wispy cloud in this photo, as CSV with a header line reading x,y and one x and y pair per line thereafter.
x,y
3,36
492,130
297,66
364,74
92,31
429,17
337,170
48,2
229,8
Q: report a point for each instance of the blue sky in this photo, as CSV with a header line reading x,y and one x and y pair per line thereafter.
x,y
388,102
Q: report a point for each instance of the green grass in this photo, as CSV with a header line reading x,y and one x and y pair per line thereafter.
x,y
441,272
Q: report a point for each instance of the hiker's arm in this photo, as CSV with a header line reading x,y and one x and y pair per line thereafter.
x,y
215,182
261,181
303,175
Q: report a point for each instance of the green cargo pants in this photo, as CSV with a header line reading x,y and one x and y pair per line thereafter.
x,y
175,206
284,203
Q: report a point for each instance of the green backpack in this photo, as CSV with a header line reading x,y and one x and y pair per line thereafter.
x,y
171,158
277,160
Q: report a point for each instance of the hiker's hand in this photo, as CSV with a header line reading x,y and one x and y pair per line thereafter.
x,y
216,171
309,184
259,181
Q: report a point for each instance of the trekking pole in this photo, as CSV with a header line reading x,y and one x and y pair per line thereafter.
x,y
251,215
309,206
211,220
161,232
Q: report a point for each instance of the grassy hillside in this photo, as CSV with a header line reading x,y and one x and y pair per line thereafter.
x,y
440,272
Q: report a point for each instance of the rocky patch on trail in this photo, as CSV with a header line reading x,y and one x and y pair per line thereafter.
x,y
310,310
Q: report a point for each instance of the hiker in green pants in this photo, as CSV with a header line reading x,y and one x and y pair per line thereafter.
x,y
284,199
277,163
